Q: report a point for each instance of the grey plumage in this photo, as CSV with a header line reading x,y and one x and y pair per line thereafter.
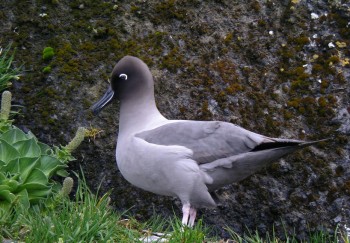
x,y
187,159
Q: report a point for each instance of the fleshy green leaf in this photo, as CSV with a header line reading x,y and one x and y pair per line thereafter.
x,y
23,198
42,193
5,125
28,148
37,191
13,184
36,196
37,177
49,165
45,149
12,166
14,135
7,152
5,206
4,187
56,187
2,176
30,135
7,195
26,166
35,186
62,173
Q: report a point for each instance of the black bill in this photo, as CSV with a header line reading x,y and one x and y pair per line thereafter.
x,y
103,102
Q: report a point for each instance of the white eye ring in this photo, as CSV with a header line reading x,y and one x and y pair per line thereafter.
x,y
123,76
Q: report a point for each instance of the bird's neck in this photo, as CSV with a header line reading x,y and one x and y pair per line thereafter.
x,y
138,114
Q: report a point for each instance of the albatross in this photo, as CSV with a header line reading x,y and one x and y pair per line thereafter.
x,y
181,158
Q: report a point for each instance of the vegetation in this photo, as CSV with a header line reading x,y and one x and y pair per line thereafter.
x,y
316,237
7,72
27,165
47,69
90,218
87,218
48,53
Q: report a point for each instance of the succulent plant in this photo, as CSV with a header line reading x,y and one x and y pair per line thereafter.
x,y
5,105
5,123
67,186
27,165
76,141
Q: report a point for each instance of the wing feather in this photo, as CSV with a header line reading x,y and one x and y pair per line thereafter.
x,y
209,141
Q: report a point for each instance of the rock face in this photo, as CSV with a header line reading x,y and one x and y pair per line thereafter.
x,y
279,68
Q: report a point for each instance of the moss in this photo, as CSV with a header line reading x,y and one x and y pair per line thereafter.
x,y
205,113
87,46
332,100
134,8
182,109
51,121
322,102
262,23
272,126
287,114
324,86
342,24
300,85
306,105
47,69
341,139
65,53
255,5
234,88
333,60
48,53
72,66
346,187
173,60
221,98
45,114
339,78
299,42
170,9
286,54
339,171
226,70
228,38
316,68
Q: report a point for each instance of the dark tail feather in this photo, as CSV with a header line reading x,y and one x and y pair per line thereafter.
x,y
283,143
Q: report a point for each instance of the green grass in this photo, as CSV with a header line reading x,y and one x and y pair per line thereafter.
x,y
87,218
7,72
90,218
315,237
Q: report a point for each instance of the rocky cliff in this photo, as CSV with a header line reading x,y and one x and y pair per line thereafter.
x,y
279,68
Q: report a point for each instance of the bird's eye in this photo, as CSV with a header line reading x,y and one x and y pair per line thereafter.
x,y
123,76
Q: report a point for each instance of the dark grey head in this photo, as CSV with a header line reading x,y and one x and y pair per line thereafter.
x,y
131,79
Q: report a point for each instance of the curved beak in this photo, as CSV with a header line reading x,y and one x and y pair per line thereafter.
x,y
103,102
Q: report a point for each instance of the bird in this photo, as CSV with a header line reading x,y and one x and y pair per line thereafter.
x,y
187,159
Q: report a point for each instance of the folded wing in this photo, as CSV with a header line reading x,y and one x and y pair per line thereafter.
x,y
210,141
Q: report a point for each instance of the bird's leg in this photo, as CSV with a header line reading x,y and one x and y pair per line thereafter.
x,y
185,213
189,215
193,213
